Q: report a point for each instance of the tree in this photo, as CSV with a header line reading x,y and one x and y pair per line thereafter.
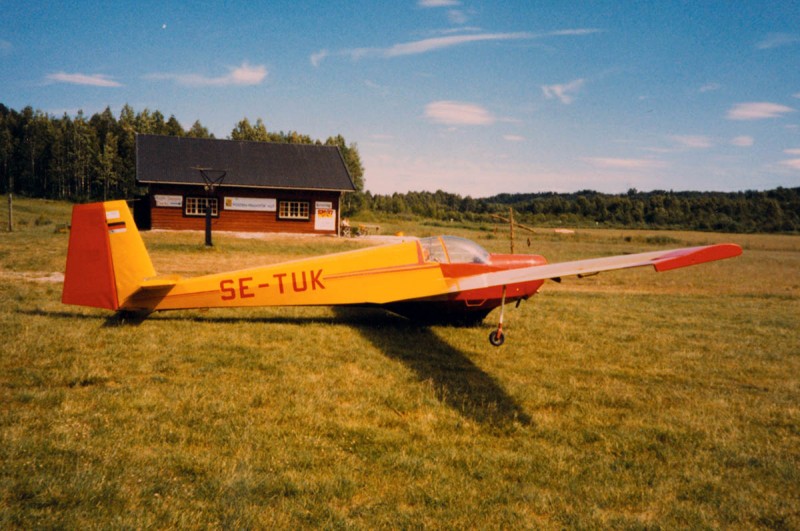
x,y
244,130
81,157
7,148
173,127
198,131
109,162
352,159
126,146
36,144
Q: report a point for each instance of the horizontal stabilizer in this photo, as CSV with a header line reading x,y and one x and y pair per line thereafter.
x,y
160,282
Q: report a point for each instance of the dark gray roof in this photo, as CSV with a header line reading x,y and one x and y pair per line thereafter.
x,y
173,160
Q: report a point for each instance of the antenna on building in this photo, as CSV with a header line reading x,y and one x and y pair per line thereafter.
x,y
211,180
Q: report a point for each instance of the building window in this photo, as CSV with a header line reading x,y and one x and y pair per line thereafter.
x,y
293,210
196,206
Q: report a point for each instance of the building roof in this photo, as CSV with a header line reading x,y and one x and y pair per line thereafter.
x,y
175,160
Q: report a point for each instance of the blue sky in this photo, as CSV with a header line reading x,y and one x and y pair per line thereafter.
x,y
471,97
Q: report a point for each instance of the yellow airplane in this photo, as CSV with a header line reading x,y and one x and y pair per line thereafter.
x,y
438,279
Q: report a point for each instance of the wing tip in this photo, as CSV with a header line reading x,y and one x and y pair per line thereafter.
x,y
697,255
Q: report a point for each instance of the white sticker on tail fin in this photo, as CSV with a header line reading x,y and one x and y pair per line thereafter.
x,y
112,214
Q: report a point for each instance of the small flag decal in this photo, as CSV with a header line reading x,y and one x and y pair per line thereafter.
x,y
117,226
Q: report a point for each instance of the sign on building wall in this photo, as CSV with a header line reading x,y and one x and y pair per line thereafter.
x,y
253,204
325,218
168,200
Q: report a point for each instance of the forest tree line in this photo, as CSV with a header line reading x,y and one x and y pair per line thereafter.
x,y
94,158
83,159
775,210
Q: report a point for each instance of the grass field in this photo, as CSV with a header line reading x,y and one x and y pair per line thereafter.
x,y
626,400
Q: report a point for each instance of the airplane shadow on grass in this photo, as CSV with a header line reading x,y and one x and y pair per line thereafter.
x,y
456,380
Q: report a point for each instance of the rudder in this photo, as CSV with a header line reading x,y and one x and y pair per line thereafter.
x,y
106,258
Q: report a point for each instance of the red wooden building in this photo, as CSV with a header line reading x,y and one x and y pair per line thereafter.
x,y
255,186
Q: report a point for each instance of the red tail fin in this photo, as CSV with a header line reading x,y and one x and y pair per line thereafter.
x,y
89,277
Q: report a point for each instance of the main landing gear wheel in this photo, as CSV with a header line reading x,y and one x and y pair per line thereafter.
x,y
496,338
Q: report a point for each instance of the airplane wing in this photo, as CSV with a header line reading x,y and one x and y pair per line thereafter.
x,y
660,260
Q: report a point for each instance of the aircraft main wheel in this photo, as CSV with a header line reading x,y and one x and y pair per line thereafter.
x,y
496,338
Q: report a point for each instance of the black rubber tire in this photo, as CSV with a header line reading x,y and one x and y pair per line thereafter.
x,y
497,338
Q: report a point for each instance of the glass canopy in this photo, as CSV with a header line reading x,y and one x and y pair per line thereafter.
x,y
453,250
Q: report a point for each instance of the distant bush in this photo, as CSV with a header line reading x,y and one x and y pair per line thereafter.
x,y
42,220
661,240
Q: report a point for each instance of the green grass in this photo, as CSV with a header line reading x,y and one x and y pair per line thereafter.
x,y
625,400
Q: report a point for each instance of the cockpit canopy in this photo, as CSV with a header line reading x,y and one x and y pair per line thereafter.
x,y
453,250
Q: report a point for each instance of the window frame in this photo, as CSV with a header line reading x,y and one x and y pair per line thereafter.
x,y
302,210
195,206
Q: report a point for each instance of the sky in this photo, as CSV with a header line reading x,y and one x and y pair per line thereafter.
x,y
470,97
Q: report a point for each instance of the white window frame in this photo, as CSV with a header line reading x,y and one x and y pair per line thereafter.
x,y
196,206
294,210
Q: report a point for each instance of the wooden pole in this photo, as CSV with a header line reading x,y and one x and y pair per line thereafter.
x,y
511,223
10,215
516,224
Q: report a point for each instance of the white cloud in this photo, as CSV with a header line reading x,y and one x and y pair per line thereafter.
x,y
710,87
692,141
450,31
743,141
777,40
514,138
795,151
564,92
568,32
654,149
457,16
318,57
757,110
458,113
93,80
243,75
624,164
439,43
438,3
792,163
